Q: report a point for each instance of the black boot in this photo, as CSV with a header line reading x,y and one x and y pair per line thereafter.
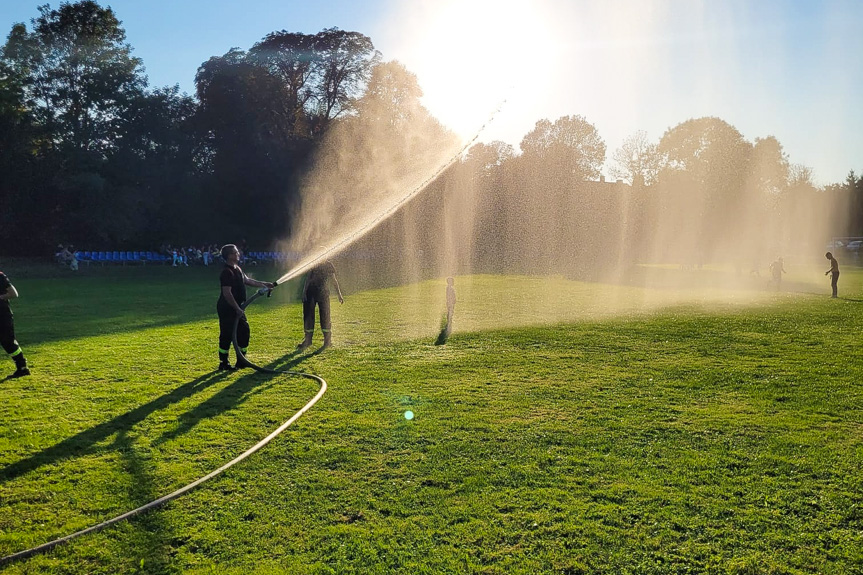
x,y
241,363
21,372
223,363
21,368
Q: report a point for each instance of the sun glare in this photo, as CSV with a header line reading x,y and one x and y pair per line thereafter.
x,y
472,55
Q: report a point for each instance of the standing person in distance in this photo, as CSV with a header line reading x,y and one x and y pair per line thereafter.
x,y
777,268
7,328
450,303
232,295
834,269
317,292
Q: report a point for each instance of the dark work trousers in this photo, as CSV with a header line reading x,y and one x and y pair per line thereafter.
x,y
834,282
322,300
227,316
8,341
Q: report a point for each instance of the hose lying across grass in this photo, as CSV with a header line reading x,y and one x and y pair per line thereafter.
x,y
183,490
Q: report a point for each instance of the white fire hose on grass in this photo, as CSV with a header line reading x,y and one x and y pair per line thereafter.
x,y
183,490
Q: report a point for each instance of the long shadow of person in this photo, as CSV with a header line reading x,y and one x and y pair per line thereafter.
x,y
232,396
85,441
153,535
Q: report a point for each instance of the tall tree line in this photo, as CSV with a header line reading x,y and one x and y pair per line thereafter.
x,y
701,194
90,154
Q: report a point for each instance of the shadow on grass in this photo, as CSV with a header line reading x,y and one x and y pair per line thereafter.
x,y
148,545
123,300
82,442
232,395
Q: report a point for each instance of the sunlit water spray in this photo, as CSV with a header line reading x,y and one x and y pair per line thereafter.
x,y
708,233
368,222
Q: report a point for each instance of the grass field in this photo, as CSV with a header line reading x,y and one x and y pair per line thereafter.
x,y
565,427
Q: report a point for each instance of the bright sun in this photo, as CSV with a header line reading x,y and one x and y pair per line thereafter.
x,y
471,55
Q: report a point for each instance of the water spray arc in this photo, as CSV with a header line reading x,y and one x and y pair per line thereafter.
x,y
350,238
185,489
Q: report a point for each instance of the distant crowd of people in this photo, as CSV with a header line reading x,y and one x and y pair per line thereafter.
x,y
207,254
183,256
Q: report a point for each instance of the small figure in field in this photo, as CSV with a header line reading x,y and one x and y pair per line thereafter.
x,y
73,259
834,270
7,328
232,295
450,303
316,291
777,268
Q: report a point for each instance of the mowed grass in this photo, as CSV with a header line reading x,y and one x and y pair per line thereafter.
x,y
565,427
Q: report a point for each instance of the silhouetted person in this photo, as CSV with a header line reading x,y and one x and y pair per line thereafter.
x,y
316,291
834,269
450,303
777,268
7,327
232,295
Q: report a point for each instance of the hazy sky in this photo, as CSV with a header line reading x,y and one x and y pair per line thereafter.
x,y
791,69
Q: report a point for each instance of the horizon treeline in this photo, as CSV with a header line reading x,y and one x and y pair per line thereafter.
x,y
92,155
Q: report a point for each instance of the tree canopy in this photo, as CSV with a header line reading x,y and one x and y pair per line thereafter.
x,y
91,154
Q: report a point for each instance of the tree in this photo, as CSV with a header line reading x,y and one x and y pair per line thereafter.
x,y
344,61
571,145
289,57
800,175
79,73
251,137
703,183
637,160
769,167
392,97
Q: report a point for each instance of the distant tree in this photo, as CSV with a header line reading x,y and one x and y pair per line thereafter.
x,y
18,143
769,166
854,189
242,104
344,61
799,175
79,74
392,97
703,181
290,57
571,145
488,169
637,160
255,149
712,151
157,173
485,158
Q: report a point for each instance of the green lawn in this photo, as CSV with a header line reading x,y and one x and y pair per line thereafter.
x,y
565,427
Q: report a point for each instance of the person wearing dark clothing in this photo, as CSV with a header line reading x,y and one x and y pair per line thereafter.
x,y
777,268
316,292
7,328
450,303
231,297
834,270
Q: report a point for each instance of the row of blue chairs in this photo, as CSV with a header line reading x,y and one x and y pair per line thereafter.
x,y
122,257
155,257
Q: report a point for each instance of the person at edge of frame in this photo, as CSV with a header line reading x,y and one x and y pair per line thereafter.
x,y
7,328
232,295
317,292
